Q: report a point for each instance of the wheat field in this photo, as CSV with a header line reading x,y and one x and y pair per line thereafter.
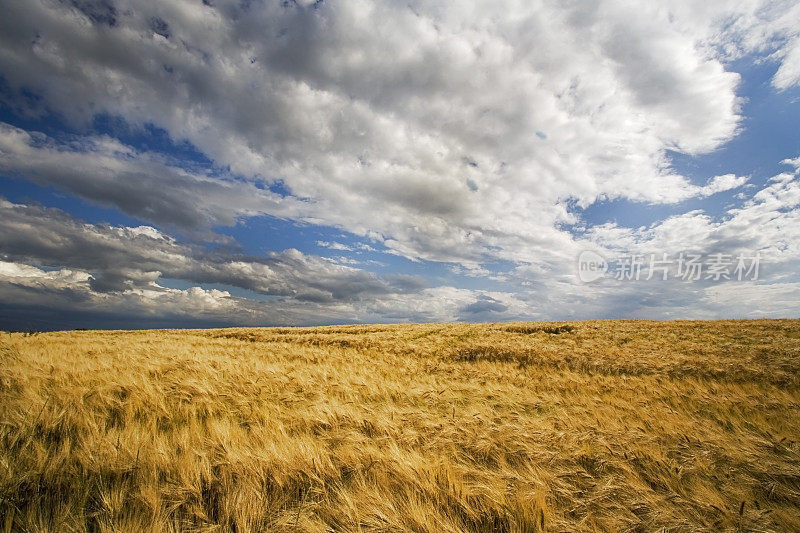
x,y
524,427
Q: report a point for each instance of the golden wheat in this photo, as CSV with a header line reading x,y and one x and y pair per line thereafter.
x,y
580,426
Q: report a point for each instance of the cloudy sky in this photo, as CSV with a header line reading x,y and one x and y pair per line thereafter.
x,y
216,162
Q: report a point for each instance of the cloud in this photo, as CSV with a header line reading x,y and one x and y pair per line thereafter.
x,y
35,298
76,273
79,273
415,124
436,131
335,246
773,27
792,162
767,222
764,224
722,183
483,306
120,258
142,184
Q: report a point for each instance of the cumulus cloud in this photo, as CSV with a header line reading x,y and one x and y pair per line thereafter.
x,y
450,132
36,298
142,184
765,225
76,272
121,258
31,296
113,275
768,222
465,133
732,29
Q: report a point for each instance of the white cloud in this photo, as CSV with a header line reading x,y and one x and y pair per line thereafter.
x,y
335,246
457,132
768,222
722,183
793,162
775,28
106,271
450,132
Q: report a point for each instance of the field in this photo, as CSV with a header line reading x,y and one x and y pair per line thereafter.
x,y
570,426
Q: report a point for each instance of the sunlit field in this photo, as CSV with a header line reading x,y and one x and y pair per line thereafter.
x,y
570,426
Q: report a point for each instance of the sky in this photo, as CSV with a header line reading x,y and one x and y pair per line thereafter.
x,y
203,163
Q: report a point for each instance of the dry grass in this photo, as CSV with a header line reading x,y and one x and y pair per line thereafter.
x,y
583,426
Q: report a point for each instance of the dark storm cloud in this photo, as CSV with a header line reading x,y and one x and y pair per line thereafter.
x,y
121,258
483,306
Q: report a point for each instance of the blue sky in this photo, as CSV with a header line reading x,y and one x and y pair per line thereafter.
x,y
194,164
768,133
